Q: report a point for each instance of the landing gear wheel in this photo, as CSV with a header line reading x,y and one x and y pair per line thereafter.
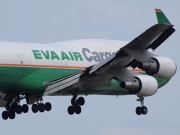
x,y
144,110
80,101
138,110
71,110
41,107
77,109
18,109
5,115
12,115
48,106
73,101
25,108
34,108
76,104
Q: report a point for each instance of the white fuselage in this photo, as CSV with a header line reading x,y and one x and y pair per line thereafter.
x,y
65,53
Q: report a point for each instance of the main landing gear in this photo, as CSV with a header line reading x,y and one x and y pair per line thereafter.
x,y
76,105
41,107
13,107
141,109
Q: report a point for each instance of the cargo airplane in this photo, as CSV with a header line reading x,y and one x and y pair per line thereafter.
x,y
75,68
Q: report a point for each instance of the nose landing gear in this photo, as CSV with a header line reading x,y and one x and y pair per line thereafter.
x,y
141,109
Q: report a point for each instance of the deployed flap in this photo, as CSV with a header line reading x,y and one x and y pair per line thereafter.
x,y
60,84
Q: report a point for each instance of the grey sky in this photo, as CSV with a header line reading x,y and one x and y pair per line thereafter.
x,y
56,20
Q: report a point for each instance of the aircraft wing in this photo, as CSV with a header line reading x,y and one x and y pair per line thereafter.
x,y
154,36
151,38
117,64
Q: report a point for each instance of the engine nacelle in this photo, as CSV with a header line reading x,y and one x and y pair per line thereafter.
x,y
159,66
141,85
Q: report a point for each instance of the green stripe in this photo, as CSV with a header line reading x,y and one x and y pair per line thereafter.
x,y
31,80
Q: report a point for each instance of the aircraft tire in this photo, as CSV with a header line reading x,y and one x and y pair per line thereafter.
x,y
12,115
41,107
77,109
18,109
73,101
71,110
34,108
80,101
25,108
144,110
138,110
48,106
5,115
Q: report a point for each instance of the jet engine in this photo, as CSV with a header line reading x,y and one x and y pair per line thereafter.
x,y
142,85
159,66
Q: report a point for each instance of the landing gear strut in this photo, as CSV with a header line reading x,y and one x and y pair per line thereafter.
x,y
76,105
141,109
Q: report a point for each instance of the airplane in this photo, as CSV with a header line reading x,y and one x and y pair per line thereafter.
x,y
83,67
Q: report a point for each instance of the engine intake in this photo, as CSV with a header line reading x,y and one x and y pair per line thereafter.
x,y
159,66
141,85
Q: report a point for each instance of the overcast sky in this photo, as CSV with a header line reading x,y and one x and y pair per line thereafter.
x,y
54,20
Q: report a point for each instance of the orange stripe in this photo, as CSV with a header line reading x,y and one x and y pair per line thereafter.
x,y
43,66
50,66
158,10
138,70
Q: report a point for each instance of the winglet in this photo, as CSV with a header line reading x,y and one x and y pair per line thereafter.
x,y
162,19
